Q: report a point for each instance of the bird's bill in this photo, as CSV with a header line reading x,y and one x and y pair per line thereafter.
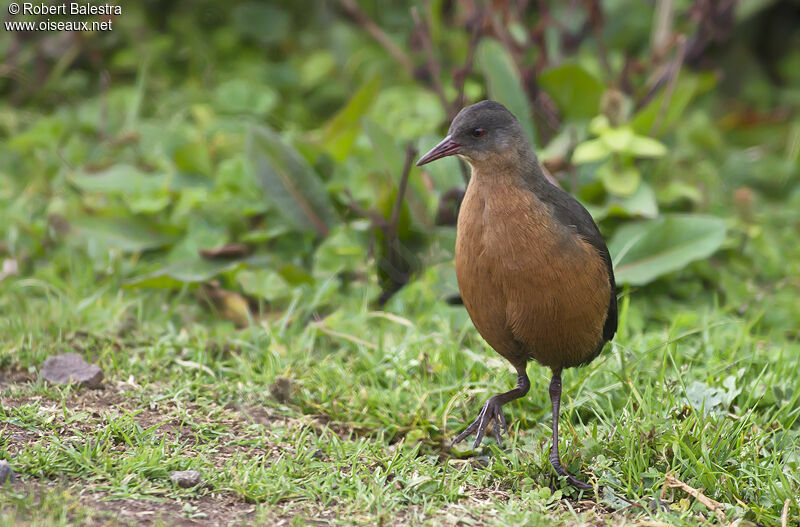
x,y
447,147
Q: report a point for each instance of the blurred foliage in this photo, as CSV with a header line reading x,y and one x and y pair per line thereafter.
x,y
262,145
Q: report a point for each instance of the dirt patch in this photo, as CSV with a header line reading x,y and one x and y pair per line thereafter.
x,y
209,510
97,509
234,436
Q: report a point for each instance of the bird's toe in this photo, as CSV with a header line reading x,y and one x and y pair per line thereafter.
x,y
491,413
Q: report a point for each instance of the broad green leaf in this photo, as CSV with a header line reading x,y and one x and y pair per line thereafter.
x,y
149,203
388,154
618,139
125,234
339,134
641,146
711,399
675,191
641,203
264,283
202,233
576,91
245,97
408,111
503,83
645,250
619,181
599,124
590,151
316,67
120,179
193,157
343,250
180,274
289,183
295,275
45,133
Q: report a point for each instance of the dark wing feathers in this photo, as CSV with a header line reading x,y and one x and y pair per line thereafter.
x,y
568,211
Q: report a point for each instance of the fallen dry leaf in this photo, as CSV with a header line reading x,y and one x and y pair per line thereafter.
x,y
227,251
232,306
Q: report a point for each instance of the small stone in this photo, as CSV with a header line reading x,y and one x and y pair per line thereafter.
x,y
281,389
480,461
6,473
70,367
186,479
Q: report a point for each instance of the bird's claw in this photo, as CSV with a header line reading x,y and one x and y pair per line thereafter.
x,y
492,410
572,480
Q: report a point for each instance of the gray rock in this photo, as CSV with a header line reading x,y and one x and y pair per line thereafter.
x,y
70,367
6,473
281,389
186,479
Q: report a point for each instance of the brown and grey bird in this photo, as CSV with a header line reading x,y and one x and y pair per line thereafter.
x,y
533,269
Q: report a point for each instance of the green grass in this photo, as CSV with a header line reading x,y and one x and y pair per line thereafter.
x,y
126,154
687,388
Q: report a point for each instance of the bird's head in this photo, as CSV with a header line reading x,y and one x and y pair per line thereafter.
x,y
485,132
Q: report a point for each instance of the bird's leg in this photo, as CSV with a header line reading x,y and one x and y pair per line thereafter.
x,y
493,409
555,460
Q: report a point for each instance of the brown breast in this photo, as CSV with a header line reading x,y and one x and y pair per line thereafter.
x,y
533,288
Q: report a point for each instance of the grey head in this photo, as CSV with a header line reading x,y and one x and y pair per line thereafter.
x,y
482,133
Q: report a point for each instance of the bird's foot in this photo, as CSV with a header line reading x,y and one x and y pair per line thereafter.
x,y
572,480
491,411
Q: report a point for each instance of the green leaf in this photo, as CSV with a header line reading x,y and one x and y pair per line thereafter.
x,y
344,250
641,203
119,179
409,111
503,82
202,233
241,96
314,68
645,250
711,399
289,183
193,157
149,203
45,133
264,283
339,134
590,151
388,154
641,146
618,139
675,191
125,234
576,91
295,275
179,274
599,124
619,181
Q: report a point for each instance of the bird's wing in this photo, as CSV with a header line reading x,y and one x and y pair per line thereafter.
x,y
568,211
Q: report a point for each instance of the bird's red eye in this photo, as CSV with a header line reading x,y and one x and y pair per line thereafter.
x,y
478,132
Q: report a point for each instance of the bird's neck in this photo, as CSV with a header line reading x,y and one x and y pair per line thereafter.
x,y
513,169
